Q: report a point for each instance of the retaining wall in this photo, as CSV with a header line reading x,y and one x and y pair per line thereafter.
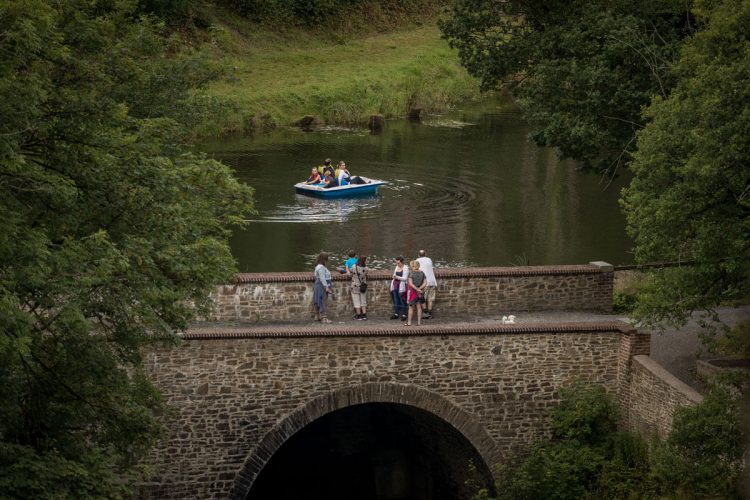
x,y
655,394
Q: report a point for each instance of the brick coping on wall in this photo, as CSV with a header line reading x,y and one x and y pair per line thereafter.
x,y
287,331
467,272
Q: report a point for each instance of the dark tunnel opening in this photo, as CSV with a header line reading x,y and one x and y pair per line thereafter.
x,y
374,451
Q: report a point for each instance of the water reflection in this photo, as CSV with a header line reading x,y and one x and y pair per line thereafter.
x,y
469,187
437,122
308,209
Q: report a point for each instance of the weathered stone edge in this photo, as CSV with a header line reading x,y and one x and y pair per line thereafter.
x,y
402,331
468,272
662,374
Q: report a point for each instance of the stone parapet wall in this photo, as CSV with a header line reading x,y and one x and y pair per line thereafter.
x,y
237,397
633,344
655,394
284,297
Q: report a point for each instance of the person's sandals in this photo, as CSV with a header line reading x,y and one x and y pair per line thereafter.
x,y
326,321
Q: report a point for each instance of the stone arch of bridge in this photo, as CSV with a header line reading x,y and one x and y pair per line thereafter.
x,y
409,395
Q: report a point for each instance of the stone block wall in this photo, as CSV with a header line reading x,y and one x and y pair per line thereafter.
x,y
634,343
238,397
655,394
284,297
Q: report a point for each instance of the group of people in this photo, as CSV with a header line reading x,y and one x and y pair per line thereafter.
x,y
413,287
326,174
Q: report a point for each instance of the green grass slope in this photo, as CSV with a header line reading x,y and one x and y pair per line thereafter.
x,y
276,77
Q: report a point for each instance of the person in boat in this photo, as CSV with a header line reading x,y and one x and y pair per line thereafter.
x,y
330,180
343,174
326,166
315,177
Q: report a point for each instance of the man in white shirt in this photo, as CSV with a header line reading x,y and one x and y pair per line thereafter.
x,y
425,265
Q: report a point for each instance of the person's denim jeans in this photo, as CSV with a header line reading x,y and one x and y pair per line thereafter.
x,y
399,303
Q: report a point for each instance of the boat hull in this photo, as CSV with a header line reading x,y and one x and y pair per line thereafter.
x,y
347,191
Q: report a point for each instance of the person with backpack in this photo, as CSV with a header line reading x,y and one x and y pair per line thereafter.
x,y
359,288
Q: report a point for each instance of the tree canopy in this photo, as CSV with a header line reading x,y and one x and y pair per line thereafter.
x,y
581,71
111,236
690,197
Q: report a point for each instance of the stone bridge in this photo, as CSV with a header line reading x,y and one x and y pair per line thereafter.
x,y
285,409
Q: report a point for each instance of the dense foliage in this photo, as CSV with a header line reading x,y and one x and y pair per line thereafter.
x,y
703,457
690,197
327,13
111,236
586,457
581,70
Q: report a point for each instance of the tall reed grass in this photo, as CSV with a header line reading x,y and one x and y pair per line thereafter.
x,y
275,76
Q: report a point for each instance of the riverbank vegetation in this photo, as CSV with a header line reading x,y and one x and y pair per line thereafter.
x,y
587,457
340,66
277,78
339,61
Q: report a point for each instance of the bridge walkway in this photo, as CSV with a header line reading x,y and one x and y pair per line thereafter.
x,y
437,325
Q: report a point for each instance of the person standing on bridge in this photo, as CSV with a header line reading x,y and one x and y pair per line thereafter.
x,y
398,289
425,265
350,262
359,288
322,288
416,285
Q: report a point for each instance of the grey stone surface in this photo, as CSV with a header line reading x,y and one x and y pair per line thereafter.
x,y
237,400
678,349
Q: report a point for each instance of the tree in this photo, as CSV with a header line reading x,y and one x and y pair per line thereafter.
x,y
581,71
111,237
690,197
586,457
703,456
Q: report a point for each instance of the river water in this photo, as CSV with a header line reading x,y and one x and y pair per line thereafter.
x,y
468,186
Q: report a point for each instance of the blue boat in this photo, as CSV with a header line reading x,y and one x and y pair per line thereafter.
x,y
320,191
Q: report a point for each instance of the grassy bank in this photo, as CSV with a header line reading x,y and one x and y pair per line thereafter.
x,y
275,77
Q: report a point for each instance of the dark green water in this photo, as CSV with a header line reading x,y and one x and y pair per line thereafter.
x,y
469,187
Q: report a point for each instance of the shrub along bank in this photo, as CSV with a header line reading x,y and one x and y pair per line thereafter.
x,y
339,73
586,457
